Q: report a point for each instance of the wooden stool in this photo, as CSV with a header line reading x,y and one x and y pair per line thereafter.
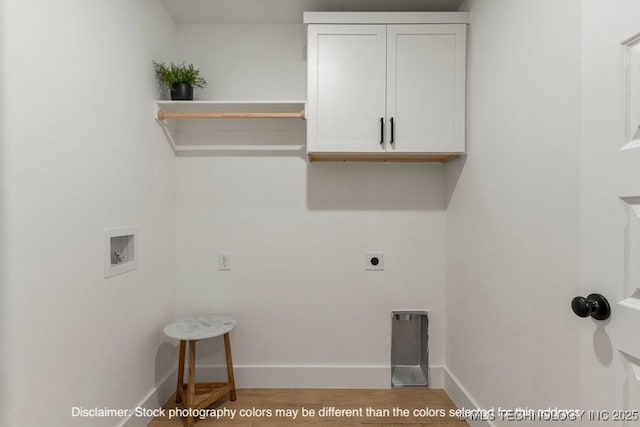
x,y
201,395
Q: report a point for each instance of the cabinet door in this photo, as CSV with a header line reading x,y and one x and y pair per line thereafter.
x,y
426,87
346,88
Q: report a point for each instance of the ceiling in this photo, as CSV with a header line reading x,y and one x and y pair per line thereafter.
x,y
289,11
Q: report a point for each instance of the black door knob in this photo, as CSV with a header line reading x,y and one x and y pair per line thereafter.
x,y
595,305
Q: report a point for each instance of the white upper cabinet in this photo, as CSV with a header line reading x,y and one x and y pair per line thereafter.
x,y
426,88
346,87
386,92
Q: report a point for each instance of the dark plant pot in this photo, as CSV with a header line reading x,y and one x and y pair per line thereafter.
x,y
181,92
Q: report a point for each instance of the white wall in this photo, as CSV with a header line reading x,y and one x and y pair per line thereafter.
x,y
512,218
247,61
298,233
80,153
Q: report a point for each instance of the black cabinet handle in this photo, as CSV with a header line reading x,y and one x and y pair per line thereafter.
x,y
392,132
595,305
381,130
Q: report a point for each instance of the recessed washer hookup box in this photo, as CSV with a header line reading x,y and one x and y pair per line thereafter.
x,y
409,349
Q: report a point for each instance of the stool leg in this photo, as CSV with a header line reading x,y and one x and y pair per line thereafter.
x,y
232,381
180,371
191,391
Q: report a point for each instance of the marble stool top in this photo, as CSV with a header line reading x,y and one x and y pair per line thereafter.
x,y
200,327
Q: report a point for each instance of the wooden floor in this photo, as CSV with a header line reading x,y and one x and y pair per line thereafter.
x,y
276,407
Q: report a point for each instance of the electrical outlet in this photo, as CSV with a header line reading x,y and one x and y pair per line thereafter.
x,y
224,261
374,261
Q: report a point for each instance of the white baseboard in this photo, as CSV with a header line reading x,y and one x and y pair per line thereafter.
x,y
154,400
462,398
301,376
312,376
436,377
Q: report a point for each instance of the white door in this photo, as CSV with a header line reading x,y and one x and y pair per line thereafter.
x,y
426,88
346,88
610,210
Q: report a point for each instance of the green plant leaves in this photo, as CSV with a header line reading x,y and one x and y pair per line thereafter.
x,y
171,74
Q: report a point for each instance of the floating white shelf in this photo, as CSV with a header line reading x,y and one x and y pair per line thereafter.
x,y
248,121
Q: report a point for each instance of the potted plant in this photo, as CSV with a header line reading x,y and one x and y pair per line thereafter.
x,y
180,79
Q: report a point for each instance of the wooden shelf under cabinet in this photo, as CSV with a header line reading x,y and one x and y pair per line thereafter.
x,y
383,157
